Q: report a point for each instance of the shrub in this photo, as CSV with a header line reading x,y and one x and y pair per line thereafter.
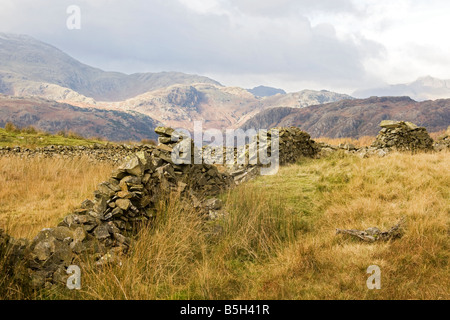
x,y
10,127
29,130
74,135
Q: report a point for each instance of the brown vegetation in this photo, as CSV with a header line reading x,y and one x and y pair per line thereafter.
x,y
278,241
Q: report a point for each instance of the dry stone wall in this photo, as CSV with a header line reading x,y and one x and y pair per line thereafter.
x,y
103,227
112,153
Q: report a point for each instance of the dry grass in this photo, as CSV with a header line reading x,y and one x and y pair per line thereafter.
x,y
360,142
439,134
279,240
358,194
37,193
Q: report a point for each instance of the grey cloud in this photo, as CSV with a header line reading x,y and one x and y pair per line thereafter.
x,y
139,36
289,7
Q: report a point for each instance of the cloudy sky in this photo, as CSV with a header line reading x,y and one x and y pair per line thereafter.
x,y
339,45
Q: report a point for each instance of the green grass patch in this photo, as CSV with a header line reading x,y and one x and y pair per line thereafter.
x,y
35,139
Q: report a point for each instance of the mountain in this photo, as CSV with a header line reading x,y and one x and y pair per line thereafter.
x,y
52,117
217,106
357,117
26,64
424,88
304,98
263,91
31,68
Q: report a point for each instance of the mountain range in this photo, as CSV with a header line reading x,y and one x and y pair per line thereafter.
x,y
424,88
45,87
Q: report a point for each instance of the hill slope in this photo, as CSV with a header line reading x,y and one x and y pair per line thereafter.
x,y
356,118
217,106
51,116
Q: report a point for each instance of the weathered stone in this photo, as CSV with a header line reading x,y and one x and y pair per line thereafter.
x,y
122,239
132,165
213,204
217,214
101,232
100,202
163,147
164,140
79,234
87,204
126,200
123,204
164,131
389,124
125,194
61,233
44,249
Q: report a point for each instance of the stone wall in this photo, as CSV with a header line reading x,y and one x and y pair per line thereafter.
x,y
113,153
294,144
103,227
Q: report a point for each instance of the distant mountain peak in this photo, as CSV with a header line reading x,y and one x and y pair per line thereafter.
x,y
423,88
264,91
429,81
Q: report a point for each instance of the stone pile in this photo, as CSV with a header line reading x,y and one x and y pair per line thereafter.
x,y
294,144
394,136
402,136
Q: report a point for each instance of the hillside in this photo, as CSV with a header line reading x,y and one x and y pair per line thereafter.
x,y
356,118
217,106
51,116
30,137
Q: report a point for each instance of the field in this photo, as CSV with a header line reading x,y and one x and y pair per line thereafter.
x,y
278,241
32,138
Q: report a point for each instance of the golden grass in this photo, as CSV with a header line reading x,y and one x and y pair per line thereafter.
x,y
366,193
360,142
37,193
279,240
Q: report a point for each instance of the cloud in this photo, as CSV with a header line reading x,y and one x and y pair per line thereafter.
x,y
330,44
